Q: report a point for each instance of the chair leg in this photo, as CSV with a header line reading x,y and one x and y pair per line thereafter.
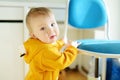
x,y
103,69
96,67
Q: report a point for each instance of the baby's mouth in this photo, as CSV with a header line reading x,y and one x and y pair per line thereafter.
x,y
52,37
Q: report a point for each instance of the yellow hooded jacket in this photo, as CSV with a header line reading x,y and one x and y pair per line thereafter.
x,y
45,60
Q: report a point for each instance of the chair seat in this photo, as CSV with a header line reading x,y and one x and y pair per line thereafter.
x,y
101,46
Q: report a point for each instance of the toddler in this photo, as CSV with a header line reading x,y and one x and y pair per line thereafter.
x,y
42,49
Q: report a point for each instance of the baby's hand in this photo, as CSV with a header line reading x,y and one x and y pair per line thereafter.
x,y
21,50
75,44
68,43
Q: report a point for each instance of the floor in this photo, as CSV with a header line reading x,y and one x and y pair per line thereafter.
x,y
71,75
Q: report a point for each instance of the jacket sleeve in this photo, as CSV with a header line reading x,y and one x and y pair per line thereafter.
x,y
52,59
60,44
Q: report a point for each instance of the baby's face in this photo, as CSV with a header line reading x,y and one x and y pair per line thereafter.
x,y
45,28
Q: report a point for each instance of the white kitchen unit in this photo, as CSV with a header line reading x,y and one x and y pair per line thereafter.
x,y
11,65
11,35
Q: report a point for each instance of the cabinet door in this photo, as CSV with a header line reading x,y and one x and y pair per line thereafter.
x,y
11,65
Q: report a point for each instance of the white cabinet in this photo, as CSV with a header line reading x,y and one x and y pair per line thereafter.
x,y
11,13
59,14
11,65
11,36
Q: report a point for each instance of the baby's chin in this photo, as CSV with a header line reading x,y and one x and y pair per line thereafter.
x,y
50,41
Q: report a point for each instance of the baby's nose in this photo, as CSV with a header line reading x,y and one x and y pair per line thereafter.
x,y
50,30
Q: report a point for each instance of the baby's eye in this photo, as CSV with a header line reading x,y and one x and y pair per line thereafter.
x,y
53,24
42,28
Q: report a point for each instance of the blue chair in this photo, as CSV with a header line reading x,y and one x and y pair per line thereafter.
x,y
89,14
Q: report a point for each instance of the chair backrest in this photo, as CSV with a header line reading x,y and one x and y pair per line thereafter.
x,y
86,14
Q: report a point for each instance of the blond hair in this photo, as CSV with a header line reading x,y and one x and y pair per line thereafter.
x,y
35,12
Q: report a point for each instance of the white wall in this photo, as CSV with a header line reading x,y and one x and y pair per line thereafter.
x,y
54,1
113,7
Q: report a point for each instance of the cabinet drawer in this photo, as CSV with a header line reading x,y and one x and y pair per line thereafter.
x,y
11,13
